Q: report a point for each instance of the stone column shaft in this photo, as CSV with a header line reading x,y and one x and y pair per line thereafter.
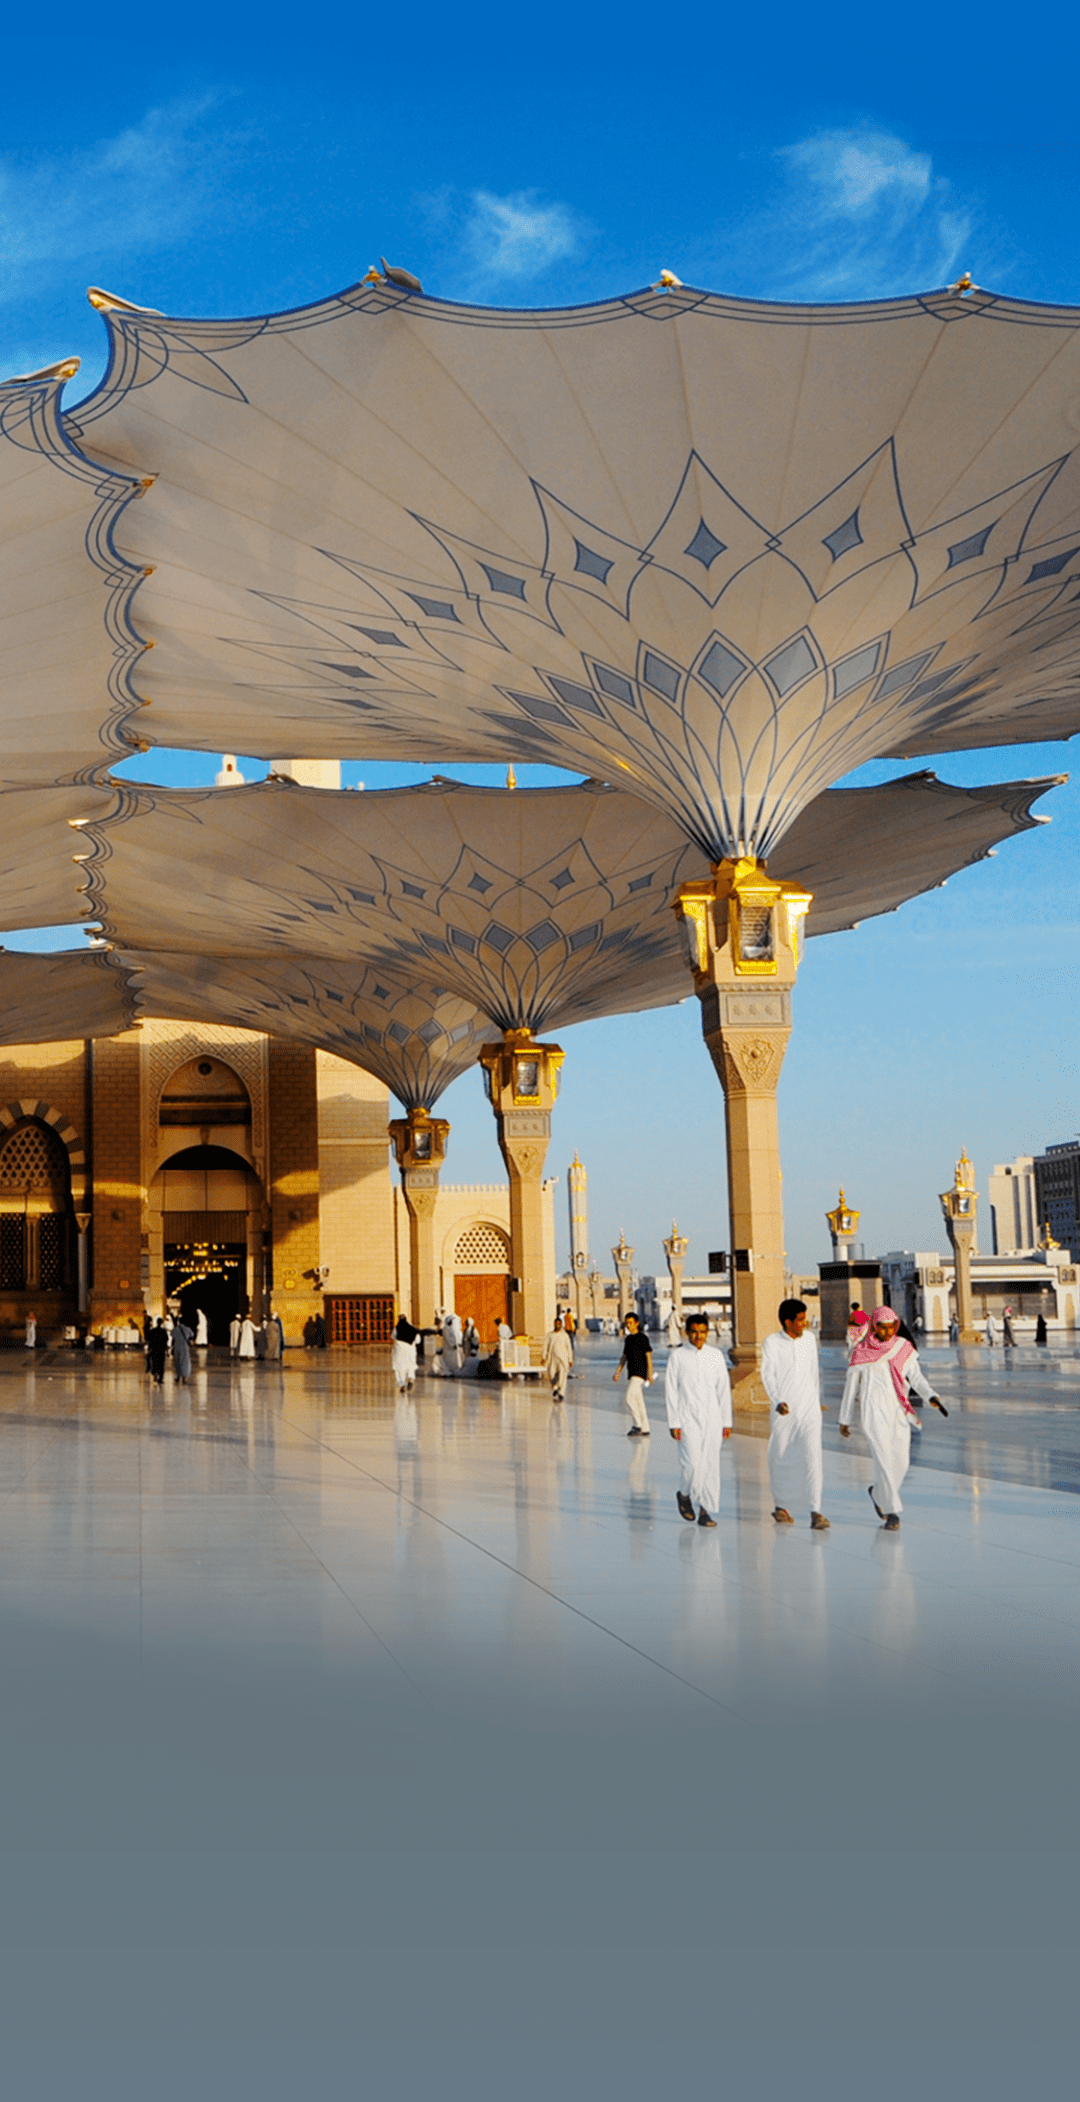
x,y
421,1187
961,1242
419,1143
525,1152
747,1032
522,1079
742,931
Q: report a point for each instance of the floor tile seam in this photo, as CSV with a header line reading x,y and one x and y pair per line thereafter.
x,y
352,1604
544,1591
757,1589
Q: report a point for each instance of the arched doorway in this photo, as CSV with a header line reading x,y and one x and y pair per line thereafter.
x,y
35,1217
481,1266
206,1196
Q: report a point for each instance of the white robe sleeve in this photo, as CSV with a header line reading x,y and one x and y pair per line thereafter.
x,y
672,1384
770,1369
852,1385
724,1385
916,1378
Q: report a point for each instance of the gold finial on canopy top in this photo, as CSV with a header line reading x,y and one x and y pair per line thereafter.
x,y
1046,1239
511,777
965,1172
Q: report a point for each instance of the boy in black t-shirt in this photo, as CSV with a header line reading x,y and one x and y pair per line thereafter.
x,y
637,1357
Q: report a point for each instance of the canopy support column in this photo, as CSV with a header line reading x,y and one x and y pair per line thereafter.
x,y
419,1143
958,1207
522,1080
742,936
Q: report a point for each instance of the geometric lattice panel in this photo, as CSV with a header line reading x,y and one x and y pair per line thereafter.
x,y
31,1155
482,1247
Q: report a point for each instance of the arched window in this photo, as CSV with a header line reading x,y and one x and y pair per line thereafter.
x,y
33,1210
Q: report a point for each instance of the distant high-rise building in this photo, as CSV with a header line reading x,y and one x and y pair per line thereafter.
x,y
1057,1192
1015,1219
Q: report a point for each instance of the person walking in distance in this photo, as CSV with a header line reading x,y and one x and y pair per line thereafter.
x,y
789,1373
157,1346
883,1372
403,1353
697,1394
637,1357
858,1325
558,1358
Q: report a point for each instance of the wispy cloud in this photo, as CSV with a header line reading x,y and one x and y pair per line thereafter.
x,y
489,242
140,190
862,214
518,236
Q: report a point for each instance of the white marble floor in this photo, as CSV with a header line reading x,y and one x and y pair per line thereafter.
x,y
352,1745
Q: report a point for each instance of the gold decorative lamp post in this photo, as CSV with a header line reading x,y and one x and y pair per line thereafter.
x,y
522,1079
958,1206
843,1224
742,937
623,1259
419,1143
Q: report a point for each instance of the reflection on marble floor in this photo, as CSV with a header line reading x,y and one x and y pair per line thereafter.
x,y
297,1670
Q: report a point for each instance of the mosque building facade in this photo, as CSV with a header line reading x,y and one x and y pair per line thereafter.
x,y
225,1169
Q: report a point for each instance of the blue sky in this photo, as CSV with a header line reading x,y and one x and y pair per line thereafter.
x,y
242,160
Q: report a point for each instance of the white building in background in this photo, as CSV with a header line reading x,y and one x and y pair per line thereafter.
x,y
1014,1217
700,1295
921,1287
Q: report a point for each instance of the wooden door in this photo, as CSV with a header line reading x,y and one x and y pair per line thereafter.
x,y
484,1297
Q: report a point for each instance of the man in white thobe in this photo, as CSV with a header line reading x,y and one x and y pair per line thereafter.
x,y
697,1392
883,1374
789,1372
451,1343
558,1358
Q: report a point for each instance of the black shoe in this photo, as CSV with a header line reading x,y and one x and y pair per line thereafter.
x,y
637,1432
874,1501
892,1523
704,1519
686,1508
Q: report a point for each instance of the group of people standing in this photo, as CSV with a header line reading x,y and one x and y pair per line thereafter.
x,y
250,1339
167,1336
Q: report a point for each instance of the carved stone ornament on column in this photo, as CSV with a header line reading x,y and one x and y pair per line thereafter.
x,y
752,1063
528,1160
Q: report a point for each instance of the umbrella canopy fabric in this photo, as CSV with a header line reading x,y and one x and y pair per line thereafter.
x,y
719,550
540,908
67,647
41,880
415,1040
60,998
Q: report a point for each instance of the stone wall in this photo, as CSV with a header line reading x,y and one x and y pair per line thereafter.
x,y
356,1205
116,1255
294,1183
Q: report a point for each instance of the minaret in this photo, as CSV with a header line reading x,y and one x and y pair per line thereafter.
x,y
577,1186
577,1183
229,775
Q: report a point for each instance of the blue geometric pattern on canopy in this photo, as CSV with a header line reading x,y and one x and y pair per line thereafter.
x,y
844,538
705,546
966,550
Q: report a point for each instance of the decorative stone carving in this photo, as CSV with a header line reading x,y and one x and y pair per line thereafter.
x,y
752,1063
